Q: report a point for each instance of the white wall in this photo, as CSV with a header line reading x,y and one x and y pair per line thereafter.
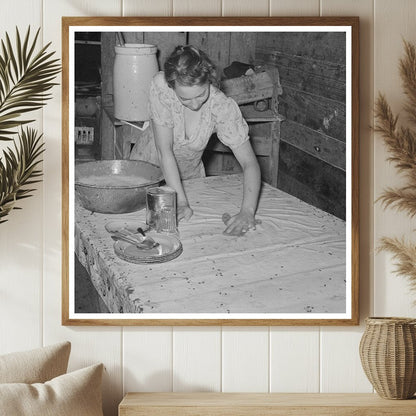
x,y
260,359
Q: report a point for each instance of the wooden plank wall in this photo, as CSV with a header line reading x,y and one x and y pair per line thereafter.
x,y
286,359
313,78
222,47
312,72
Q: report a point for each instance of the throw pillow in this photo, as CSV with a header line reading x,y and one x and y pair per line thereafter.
x,y
73,394
35,366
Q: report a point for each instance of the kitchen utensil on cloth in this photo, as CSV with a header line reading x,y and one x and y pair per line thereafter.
x,y
146,237
169,247
128,224
137,240
165,247
131,231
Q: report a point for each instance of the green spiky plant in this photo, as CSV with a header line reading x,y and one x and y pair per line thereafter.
x,y
401,142
26,76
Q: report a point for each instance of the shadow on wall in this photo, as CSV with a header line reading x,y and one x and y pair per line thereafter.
x,y
111,400
161,381
88,8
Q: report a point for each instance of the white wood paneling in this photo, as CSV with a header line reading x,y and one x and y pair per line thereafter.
x,y
82,8
341,370
392,287
204,7
147,8
294,360
22,235
294,8
245,359
245,8
196,359
89,344
30,13
21,275
147,359
394,21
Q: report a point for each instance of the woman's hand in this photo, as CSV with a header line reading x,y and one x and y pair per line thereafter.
x,y
242,222
185,212
239,224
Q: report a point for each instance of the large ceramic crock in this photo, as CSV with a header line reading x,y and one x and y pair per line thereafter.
x,y
115,186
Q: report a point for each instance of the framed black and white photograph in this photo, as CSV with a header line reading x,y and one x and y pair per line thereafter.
x,y
210,171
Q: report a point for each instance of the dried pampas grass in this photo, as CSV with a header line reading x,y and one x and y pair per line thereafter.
x,y
405,255
401,143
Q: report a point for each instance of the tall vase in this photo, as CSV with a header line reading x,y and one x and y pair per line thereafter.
x,y
388,356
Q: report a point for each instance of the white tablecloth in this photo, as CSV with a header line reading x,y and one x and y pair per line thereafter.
x,y
295,262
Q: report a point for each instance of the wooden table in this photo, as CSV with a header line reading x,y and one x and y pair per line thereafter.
x,y
262,404
293,263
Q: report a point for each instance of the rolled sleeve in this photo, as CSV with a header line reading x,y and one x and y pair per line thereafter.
x,y
231,128
160,102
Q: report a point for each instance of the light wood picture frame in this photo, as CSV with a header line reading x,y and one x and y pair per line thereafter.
x,y
296,82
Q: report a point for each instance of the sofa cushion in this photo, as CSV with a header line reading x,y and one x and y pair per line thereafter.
x,y
35,366
72,394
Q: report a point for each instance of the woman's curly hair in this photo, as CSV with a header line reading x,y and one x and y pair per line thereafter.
x,y
189,66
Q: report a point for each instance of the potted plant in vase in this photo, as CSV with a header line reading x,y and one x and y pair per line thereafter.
x,y
26,76
388,345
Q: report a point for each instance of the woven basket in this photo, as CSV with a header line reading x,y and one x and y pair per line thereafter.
x,y
388,356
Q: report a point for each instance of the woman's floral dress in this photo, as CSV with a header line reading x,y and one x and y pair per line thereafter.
x,y
219,114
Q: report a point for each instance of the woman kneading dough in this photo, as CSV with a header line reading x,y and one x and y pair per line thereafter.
x,y
186,109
